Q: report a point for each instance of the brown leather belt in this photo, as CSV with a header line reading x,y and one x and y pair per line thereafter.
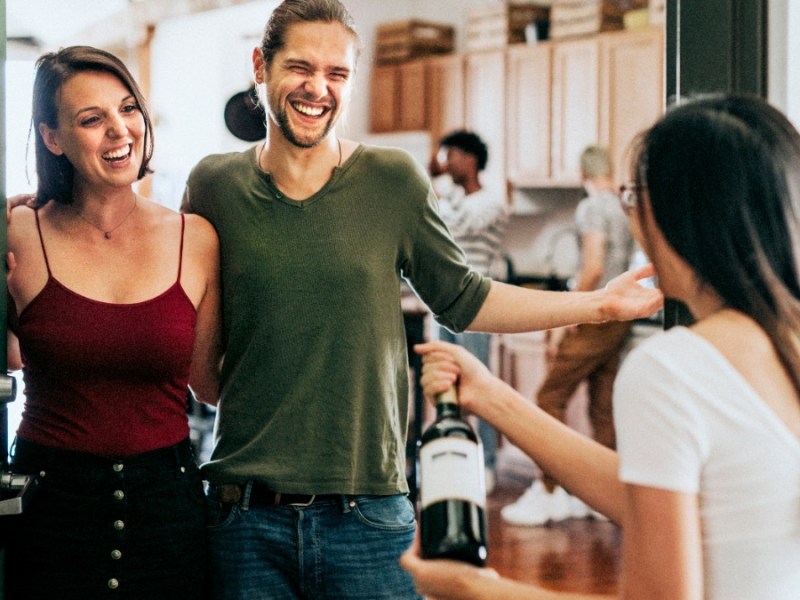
x,y
232,493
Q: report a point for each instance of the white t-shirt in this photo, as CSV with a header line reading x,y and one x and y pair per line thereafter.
x,y
687,421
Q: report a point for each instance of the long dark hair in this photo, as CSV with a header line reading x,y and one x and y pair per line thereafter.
x,y
56,174
290,12
723,177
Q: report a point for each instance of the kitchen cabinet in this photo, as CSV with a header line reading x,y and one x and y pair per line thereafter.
x,y
537,107
567,94
485,96
384,105
445,102
528,126
397,97
412,115
632,90
575,107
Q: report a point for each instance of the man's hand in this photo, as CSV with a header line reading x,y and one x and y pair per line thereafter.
x,y
625,298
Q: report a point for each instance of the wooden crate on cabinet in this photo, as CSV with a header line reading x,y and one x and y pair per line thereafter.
x,y
401,41
573,18
528,131
501,24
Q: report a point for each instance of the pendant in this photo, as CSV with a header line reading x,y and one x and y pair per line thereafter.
x,y
107,235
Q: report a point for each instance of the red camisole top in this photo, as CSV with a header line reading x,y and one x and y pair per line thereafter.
x,y
109,379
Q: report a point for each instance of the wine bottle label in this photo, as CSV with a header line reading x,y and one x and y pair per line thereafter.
x,y
451,469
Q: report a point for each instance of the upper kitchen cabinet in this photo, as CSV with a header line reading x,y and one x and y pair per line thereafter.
x,y
485,103
445,102
632,90
384,105
398,87
397,97
564,95
575,108
528,131
413,113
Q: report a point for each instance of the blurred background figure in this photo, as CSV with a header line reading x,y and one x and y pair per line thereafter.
x,y
587,352
476,217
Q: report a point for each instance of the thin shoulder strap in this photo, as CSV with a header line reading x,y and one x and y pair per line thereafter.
x,y
180,255
41,241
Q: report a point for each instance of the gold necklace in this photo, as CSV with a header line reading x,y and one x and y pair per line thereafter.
x,y
107,232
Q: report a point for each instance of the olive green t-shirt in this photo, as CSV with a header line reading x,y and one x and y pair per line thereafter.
x,y
314,390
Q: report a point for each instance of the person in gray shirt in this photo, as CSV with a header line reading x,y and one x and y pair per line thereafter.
x,y
588,352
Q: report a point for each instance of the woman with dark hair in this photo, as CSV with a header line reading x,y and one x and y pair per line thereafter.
x,y
706,481
115,310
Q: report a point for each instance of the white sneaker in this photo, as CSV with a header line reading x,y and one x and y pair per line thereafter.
x,y
490,480
580,510
562,505
537,506
529,509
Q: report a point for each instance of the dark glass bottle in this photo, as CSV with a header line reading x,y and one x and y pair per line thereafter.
x,y
452,490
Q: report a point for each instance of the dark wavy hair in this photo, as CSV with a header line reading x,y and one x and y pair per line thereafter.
x,y
723,177
290,12
468,142
56,174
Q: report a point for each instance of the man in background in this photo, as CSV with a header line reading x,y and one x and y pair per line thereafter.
x,y
476,218
589,352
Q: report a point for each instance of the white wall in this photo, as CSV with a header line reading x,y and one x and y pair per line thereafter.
x,y
198,63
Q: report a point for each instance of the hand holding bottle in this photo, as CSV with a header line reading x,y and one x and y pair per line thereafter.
x,y
452,488
444,579
446,365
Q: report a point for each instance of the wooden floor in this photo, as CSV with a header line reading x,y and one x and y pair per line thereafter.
x,y
574,555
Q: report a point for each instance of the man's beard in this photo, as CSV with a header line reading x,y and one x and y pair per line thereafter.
x,y
282,120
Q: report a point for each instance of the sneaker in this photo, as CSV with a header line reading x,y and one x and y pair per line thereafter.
x,y
529,509
537,506
597,516
561,505
580,510
490,480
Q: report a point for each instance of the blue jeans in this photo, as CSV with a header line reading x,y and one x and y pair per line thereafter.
x,y
337,548
478,344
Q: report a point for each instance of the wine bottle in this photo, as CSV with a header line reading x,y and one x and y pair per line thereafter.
x,y
452,492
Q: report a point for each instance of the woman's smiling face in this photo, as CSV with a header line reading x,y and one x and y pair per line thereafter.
x,y
100,129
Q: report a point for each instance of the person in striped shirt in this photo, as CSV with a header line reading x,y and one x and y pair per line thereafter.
x,y
476,217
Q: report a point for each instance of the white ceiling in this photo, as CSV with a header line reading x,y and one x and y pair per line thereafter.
x,y
51,21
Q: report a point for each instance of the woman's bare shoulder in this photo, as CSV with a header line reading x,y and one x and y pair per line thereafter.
x,y
200,231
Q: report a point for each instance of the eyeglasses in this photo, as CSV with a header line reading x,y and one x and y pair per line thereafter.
x,y
628,196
